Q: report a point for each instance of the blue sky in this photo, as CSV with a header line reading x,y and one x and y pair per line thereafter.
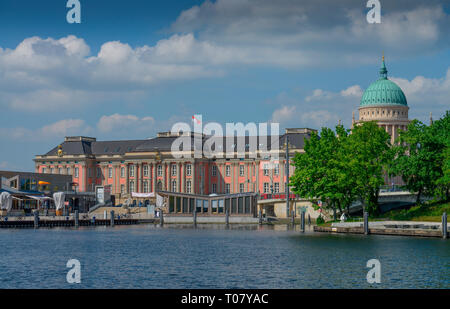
x,y
133,68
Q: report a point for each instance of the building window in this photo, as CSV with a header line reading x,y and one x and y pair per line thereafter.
x,y
188,169
122,172
214,170
277,187
266,169
266,187
214,188
76,172
241,170
131,186
145,170
159,170
110,172
241,188
174,186
276,169
122,189
99,172
43,170
60,171
174,169
227,188
227,170
51,170
131,170
90,172
188,186
145,186
69,172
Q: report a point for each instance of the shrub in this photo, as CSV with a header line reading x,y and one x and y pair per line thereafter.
x,y
320,220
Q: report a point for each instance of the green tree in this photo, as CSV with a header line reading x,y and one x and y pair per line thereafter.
x,y
367,153
320,172
440,130
422,158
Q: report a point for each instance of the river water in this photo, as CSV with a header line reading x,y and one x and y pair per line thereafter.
x,y
212,256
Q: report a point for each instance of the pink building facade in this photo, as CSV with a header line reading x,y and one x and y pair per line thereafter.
x,y
145,166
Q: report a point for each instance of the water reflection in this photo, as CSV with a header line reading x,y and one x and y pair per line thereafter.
x,y
217,256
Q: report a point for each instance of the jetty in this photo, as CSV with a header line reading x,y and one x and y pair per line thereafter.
x,y
398,228
30,222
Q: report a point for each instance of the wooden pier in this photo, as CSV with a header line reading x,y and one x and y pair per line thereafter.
x,y
380,231
66,223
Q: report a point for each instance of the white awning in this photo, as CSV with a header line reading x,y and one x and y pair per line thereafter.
x,y
59,198
5,201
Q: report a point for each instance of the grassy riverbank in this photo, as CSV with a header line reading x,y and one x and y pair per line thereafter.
x,y
428,212
431,212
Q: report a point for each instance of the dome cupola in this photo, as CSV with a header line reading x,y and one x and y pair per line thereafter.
x,y
383,92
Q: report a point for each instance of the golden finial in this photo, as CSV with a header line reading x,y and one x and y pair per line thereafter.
x,y
60,151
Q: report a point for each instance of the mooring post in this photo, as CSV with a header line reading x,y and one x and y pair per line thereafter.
x,y
112,218
302,221
260,217
161,218
366,223
444,225
227,217
194,217
77,218
293,218
309,219
105,216
36,219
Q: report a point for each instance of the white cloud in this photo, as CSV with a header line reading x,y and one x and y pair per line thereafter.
x,y
65,127
426,95
353,91
317,32
283,114
44,74
57,129
326,108
118,123
4,165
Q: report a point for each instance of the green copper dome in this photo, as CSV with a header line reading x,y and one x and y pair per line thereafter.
x,y
383,92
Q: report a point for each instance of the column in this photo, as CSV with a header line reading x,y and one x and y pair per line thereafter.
x,y
153,172
193,182
163,166
127,172
233,178
183,177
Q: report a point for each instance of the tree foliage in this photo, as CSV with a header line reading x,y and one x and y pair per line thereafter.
x,y
339,167
422,158
368,154
342,166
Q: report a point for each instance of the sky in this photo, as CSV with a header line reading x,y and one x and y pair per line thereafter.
x,y
133,68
